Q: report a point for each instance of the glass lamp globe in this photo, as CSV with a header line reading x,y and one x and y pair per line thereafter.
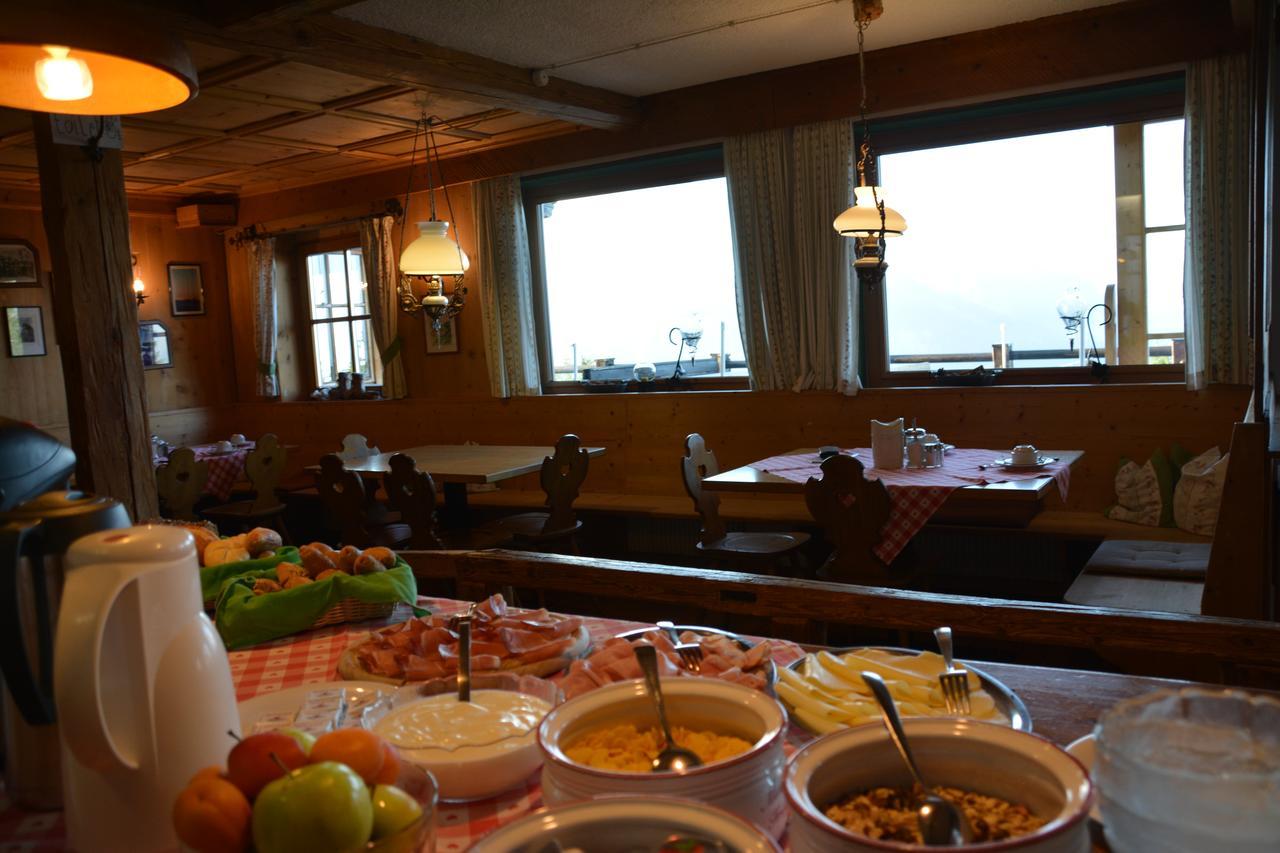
x,y
1071,309
434,252
863,219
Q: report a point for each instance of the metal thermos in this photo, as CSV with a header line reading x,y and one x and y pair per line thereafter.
x,y
35,531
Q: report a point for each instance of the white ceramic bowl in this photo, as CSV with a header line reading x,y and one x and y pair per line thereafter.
x,y
748,785
617,824
991,759
473,772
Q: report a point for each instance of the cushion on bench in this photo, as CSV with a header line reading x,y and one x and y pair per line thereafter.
x,y
1172,560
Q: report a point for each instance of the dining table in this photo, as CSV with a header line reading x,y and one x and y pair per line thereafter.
x,y
972,487
1064,705
457,466
226,466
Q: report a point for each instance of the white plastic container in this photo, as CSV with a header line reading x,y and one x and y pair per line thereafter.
x,y
748,785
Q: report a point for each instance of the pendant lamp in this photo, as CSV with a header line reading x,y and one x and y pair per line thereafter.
x,y
56,58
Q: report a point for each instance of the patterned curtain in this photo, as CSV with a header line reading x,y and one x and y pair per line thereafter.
x,y
262,280
506,293
796,304
381,271
1216,277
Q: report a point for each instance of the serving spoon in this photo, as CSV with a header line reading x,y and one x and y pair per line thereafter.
x,y
941,823
672,757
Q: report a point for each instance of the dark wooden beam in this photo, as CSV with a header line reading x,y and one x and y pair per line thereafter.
x,y
341,44
248,14
86,220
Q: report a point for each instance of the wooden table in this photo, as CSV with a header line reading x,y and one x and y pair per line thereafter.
x,y
1009,504
456,465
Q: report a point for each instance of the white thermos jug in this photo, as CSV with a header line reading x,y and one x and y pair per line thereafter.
x,y
142,686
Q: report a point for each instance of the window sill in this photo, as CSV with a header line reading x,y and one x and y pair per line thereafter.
x,y
684,386
1156,374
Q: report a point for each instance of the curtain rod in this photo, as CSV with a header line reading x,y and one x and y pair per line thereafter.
x,y
391,207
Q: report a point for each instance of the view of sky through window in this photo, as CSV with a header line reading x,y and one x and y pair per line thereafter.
x,y
623,269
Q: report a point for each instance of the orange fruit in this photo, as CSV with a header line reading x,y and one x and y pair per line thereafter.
x,y
213,816
390,765
359,749
213,771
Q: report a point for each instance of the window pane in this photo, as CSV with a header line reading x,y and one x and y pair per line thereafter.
x,y
324,354
338,283
1162,173
362,333
623,269
319,299
1164,282
355,280
998,233
342,345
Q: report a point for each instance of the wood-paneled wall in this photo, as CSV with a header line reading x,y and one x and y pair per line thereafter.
x,y
184,399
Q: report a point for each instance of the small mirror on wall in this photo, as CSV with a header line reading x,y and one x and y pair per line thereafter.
x,y
155,345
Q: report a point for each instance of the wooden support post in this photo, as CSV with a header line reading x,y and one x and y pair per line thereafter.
x,y
86,220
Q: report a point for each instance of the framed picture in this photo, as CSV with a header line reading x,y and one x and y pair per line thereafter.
x,y
444,340
155,344
186,290
19,264
25,327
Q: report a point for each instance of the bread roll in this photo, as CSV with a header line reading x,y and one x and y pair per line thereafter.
x,y
367,565
328,573
347,558
225,551
316,561
262,586
385,556
296,581
284,571
261,539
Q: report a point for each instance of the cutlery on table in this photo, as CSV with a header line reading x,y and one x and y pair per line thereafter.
x,y
954,681
690,654
672,757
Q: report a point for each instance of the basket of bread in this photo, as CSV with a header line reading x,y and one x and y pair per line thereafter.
x,y
324,587
224,558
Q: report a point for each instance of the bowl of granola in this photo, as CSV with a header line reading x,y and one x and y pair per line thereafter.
x,y
849,791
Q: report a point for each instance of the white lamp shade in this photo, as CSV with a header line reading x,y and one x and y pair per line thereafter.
x,y
863,219
434,252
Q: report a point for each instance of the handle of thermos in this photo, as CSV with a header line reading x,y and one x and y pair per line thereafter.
x,y
33,697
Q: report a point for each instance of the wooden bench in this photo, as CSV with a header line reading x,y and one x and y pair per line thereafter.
x,y
1077,524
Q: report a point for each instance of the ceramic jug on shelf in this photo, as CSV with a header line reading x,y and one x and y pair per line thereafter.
x,y
887,444
142,685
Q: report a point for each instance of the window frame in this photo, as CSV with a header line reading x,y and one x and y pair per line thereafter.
x,y
1009,119
616,176
302,301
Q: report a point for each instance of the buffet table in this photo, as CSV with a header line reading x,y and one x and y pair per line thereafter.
x,y
1064,705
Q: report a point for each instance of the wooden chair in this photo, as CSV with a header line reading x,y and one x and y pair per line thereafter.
x,y
343,494
1233,583
773,550
562,476
263,467
852,512
412,493
180,483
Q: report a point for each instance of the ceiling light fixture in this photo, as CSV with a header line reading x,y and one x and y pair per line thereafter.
x,y
868,221
78,61
433,254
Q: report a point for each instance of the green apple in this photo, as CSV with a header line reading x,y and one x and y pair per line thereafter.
x,y
393,810
320,808
305,740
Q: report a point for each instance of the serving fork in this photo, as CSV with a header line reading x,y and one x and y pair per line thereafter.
x,y
954,681
690,654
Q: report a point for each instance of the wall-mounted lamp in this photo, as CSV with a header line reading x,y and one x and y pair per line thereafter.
x,y
138,286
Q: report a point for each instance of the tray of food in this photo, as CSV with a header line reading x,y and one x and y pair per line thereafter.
x,y
503,639
824,692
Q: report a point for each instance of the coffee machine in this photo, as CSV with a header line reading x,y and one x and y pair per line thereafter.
x,y
39,519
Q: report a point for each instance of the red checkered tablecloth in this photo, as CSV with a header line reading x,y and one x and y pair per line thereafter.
x,y
916,494
225,470
312,658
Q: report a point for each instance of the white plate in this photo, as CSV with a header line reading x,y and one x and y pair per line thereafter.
x,y
289,700
1008,464
1085,751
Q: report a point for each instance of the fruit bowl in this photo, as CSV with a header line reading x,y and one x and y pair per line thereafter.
x,y
421,834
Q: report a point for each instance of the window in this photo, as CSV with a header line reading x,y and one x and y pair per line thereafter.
x,y
1012,242
634,266
338,305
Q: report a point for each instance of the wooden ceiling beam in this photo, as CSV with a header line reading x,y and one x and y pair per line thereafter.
x,y
236,69
250,14
341,44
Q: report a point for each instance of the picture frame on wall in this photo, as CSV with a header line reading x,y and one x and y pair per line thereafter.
x,y
154,338
19,264
443,341
24,329
186,290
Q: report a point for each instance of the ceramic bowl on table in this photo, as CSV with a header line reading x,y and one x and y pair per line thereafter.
x,y
463,771
985,758
748,785
625,824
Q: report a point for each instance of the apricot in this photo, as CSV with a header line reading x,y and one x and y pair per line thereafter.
x,y
213,816
360,749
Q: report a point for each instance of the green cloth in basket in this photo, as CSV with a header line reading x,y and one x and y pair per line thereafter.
x,y
213,577
245,619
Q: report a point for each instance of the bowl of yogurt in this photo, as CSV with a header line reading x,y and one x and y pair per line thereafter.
x,y
474,749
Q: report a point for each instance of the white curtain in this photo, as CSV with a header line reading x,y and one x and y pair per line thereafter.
x,y
1216,276
260,254
381,272
506,292
796,303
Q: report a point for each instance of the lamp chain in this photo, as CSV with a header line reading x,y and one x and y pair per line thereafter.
x,y
865,160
